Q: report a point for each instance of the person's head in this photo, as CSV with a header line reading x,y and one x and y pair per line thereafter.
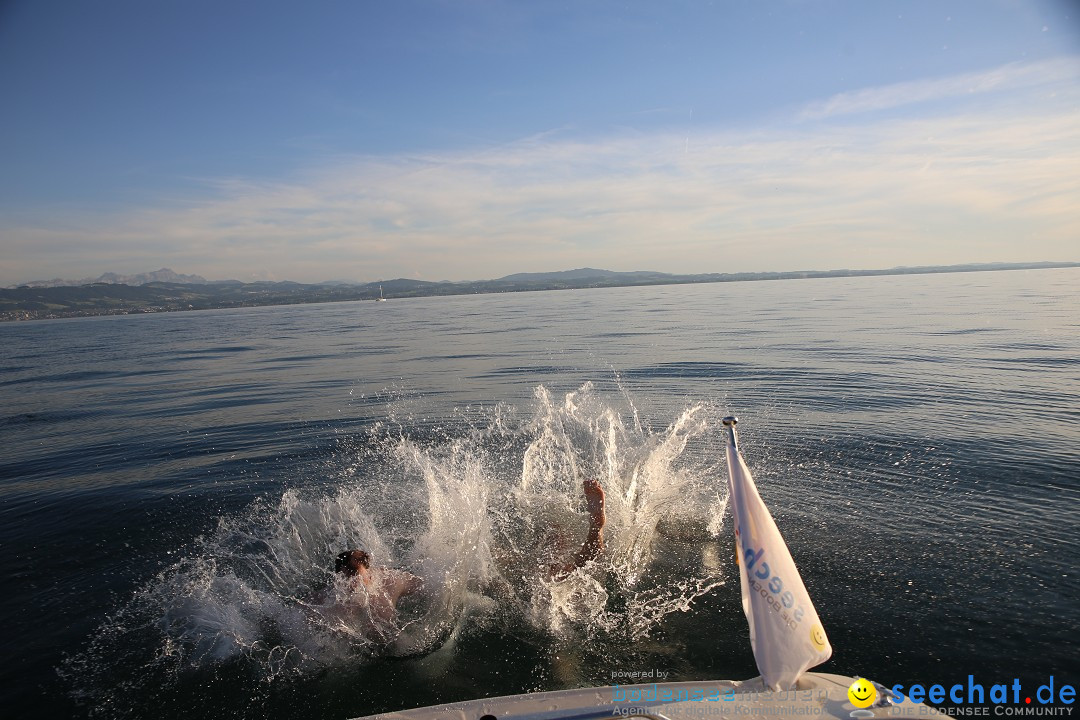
x,y
352,563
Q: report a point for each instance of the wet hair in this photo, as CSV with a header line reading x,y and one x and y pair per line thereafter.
x,y
350,562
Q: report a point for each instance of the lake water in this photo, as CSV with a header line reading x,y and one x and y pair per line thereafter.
x,y
175,488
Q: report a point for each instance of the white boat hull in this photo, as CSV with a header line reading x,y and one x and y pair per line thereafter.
x,y
817,695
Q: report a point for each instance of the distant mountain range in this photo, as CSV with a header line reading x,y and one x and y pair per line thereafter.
x,y
582,274
166,291
163,275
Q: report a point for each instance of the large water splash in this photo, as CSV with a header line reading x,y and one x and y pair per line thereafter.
x,y
648,479
479,512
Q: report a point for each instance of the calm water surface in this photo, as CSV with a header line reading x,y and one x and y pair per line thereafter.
x,y
174,488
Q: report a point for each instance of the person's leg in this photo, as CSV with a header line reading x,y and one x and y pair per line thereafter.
x,y
594,543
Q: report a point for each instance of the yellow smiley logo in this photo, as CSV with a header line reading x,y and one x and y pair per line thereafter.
x,y
817,637
862,693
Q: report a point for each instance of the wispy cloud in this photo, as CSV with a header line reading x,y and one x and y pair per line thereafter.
x,y
1004,78
959,186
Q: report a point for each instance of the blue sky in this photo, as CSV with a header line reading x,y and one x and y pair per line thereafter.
x,y
463,140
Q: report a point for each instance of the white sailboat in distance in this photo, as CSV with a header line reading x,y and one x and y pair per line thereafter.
x,y
380,298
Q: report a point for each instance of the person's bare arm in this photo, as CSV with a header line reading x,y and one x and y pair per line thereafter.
x,y
405,583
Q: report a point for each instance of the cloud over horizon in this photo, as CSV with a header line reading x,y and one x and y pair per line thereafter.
x,y
989,177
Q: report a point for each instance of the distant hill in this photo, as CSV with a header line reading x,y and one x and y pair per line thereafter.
x,y
164,275
107,297
581,274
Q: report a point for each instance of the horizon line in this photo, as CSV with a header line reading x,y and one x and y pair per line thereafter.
x,y
900,269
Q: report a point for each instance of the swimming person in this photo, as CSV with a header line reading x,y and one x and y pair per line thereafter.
x,y
369,607
374,592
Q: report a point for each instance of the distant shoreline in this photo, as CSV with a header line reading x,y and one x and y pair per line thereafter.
x,y
47,303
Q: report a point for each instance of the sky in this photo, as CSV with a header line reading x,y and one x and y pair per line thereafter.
x,y
438,140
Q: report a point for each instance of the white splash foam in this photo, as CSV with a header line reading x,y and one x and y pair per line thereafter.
x,y
480,517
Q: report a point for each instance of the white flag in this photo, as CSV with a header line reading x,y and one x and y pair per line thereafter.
x,y
785,632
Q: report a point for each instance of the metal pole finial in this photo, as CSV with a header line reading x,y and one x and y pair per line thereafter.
x,y
730,422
